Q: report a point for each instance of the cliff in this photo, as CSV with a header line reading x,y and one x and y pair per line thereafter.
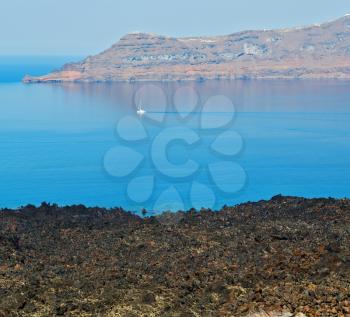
x,y
317,51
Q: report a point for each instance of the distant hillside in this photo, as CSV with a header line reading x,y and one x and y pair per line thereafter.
x,y
317,51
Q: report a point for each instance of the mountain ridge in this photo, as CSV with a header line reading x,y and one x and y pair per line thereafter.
x,y
315,51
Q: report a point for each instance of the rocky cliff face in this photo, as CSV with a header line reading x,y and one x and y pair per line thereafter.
x,y
318,51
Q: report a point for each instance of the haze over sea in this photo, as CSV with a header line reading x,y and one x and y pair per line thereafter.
x,y
54,139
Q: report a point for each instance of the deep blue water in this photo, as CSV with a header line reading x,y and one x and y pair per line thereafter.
x,y
14,68
84,143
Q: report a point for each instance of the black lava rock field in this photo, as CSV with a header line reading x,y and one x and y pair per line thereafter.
x,y
284,257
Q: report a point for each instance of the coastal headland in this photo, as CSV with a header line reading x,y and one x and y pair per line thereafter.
x,y
312,52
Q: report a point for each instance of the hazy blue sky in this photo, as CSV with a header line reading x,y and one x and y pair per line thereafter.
x,y
81,27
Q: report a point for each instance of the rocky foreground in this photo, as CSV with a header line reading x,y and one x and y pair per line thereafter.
x,y
317,51
284,257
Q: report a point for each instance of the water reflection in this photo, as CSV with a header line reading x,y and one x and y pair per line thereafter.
x,y
201,144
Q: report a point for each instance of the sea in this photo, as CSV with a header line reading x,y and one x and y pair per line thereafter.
x,y
197,145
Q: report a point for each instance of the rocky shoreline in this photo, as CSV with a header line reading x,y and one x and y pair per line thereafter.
x,y
285,257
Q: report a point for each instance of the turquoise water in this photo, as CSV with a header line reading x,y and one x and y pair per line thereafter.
x,y
76,143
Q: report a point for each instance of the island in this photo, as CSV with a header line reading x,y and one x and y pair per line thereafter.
x,y
317,51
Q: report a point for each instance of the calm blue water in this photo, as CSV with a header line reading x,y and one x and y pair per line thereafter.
x,y
14,68
84,143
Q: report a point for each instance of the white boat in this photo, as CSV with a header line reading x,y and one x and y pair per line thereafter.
x,y
140,111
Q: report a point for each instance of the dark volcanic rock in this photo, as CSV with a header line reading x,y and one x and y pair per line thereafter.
x,y
287,254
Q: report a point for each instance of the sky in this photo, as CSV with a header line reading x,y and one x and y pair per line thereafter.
x,y
86,27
